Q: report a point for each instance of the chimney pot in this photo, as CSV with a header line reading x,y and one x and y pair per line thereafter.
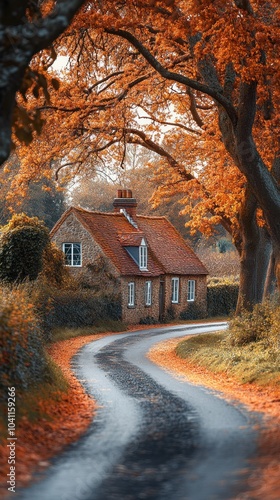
x,y
125,201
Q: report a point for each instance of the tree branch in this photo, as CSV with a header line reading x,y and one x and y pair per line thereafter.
x,y
19,41
184,175
244,5
176,77
172,124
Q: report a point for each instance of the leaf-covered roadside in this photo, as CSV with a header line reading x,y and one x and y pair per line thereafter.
x,y
58,419
265,480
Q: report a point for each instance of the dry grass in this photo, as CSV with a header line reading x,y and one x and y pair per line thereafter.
x,y
254,362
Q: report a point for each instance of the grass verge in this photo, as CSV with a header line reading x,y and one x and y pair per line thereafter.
x,y
107,325
253,362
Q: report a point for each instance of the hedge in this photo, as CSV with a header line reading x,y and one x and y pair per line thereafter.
x,y
80,308
221,297
22,244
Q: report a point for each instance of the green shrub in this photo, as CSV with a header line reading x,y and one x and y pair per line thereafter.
x,y
54,271
222,296
193,311
22,357
22,244
148,320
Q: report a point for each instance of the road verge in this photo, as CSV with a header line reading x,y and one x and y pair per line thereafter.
x,y
265,481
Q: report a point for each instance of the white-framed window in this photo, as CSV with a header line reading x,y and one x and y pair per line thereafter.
x,y
131,294
175,291
143,255
191,290
148,293
73,254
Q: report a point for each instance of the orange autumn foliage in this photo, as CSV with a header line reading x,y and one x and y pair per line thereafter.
x,y
113,93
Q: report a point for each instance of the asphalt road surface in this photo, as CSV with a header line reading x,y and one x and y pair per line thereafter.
x,y
154,436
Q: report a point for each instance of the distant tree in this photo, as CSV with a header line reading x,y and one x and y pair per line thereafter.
x,y
42,199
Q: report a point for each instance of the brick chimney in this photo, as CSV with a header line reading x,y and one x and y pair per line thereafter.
x,y
125,201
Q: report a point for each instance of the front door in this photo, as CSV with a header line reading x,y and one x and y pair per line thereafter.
x,y
161,300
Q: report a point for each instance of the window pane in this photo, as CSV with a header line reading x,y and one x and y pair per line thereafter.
x,y
175,290
131,294
67,248
73,254
76,254
148,293
191,290
143,257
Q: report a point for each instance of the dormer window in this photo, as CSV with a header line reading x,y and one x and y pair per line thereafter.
x,y
143,256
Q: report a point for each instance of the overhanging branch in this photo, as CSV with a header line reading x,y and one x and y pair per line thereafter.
x,y
176,77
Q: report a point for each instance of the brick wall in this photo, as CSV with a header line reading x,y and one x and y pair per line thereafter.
x,y
140,311
133,314
200,293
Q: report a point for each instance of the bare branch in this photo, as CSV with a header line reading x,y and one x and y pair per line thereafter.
x,y
172,124
176,77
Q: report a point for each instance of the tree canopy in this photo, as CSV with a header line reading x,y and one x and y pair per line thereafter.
x,y
195,81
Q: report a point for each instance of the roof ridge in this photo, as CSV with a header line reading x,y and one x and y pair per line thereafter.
x,y
152,217
81,209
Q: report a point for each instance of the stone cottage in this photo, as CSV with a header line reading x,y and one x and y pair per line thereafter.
x,y
144,259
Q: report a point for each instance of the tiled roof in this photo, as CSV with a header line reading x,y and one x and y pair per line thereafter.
x,y
167,251
131,239
169,247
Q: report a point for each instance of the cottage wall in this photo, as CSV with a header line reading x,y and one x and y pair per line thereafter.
x,y
183,304
139,311
72,231
133,314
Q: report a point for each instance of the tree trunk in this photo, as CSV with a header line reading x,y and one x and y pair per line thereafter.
x,y
262,182
255,254
263,262
270,282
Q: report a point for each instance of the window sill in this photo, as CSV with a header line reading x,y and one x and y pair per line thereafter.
x,y
72,265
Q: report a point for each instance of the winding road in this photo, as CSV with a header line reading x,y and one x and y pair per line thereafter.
x,y
154,436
